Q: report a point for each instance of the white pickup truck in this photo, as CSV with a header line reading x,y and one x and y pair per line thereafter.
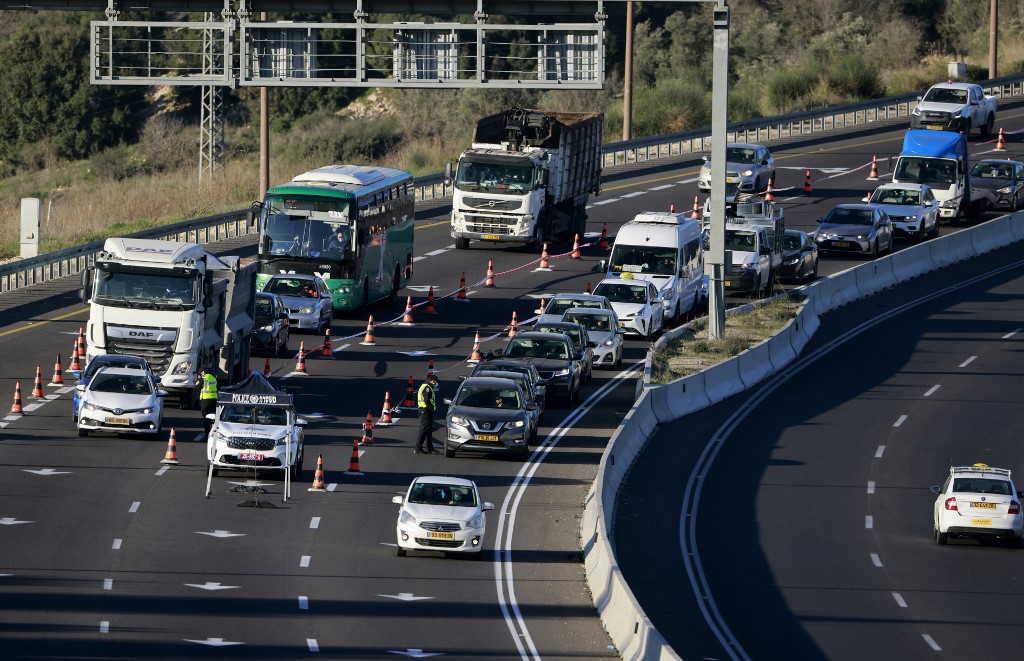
x,y
955,107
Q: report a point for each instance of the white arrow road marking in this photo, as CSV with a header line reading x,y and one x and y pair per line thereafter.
x,y
313,645
212,586
423,289
404,596
221,533
251,483
213,642
417,353
8,521
415,653
47,471
541,295
314,414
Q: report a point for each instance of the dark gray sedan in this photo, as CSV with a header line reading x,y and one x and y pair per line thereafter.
x,y
799,257
489,414
999,181
855,228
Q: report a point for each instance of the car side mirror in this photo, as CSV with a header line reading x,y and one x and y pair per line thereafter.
x,y
602,265
302,422
282,315
397,500
487,507
162,393
934,490
592,344
820,220
447,400
80,387
449,172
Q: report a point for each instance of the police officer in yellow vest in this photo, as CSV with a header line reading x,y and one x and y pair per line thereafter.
x,y
207,396
427,404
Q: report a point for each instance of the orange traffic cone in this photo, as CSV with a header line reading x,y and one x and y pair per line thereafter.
x,y
512,326
603,243
410,400
462,288
587,290
1001,142
171,456
873,175
353,463
671,208
58,377
300,366
16,408
266,369
476,356
37,389
407,317
575,248
385,414
75,365
326,350
490,274
369,340
430,308
696,207
318,476
544,263
769,196
540,309
807,183
368,429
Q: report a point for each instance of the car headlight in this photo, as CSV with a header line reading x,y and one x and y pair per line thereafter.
x,y
281,441
184,367
948,204
406,518
609,343
459,420
705,171
746,173
911,218
668,294
476,523
791,262
1004,191
267,329
916,111
307,310
147,411
218,437
517,424
562,372
89,406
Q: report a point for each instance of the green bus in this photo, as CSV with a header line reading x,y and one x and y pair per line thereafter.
x,y
352,225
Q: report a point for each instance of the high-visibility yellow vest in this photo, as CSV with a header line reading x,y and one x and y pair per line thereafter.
x,y
209,390
425,395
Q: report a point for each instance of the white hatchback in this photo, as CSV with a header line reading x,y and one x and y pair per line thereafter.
x,y
120,400
636,303
442,514
978,502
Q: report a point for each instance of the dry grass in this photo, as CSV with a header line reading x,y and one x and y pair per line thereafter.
x,y
693,351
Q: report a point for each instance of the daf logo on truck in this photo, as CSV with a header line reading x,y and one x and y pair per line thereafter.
x,y
140,334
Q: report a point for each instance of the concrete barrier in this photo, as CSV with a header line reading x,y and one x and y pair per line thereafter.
x,y
754,365
950,249
1017,222
834,291
874,276
684,396
991,235
780,346
722,380
911,262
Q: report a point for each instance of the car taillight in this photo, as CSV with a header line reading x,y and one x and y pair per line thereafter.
x,y
1014,507
951,504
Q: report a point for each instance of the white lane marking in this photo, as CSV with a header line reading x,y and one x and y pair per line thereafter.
x,y
32,407
899,421
597,204
416,259
304,561
875,560
871,486
931,642
435,253
303,603
135,507
899,599
108,584
104,626
661,187
403,596
687,181
879,452
213,642
221,533
313,645
634,194
968,361
332,486
11,521
212,587
163,470
117,545
503,565
47,471
314,523
931,391
1012,333
869,522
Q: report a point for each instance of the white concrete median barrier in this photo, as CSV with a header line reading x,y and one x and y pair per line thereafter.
x,y
950,249
911,262
780,346
874,276
754,364
991,235
722,381
1017,223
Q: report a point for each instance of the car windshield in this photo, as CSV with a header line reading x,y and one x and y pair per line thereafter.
x,y
849,217
558,306
622,293
740,155
574,333
122,383
537,348
791,242
264,311
97,363
592,322
992,171
485,397
741,240
456,495
925,170
291,287
897,196
981,485
255,415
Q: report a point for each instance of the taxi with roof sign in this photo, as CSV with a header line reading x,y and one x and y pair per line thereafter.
x,y
978,502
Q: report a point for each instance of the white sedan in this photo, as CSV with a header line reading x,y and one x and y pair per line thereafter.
x,y
636,302
120,399
442,514
912,208
603,328
978,502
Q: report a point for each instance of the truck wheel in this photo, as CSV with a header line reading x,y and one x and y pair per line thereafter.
x,y
536,244
461,244
187,400
986,129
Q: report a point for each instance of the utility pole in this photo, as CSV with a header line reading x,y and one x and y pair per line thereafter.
x,y
627,94
717,262
264,135
993,37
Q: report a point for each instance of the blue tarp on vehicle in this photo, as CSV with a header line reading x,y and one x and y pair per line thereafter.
x,y
935,144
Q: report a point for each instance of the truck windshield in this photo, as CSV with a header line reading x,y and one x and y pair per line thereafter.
x,y
506,178
741,240
642,259
307,228
142,289
929,171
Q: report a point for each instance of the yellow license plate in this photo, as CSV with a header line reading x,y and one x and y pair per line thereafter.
x,y
118,421
441,535
728,283
933,127
489,237
983,506
731,180
841,244
486,437
981,522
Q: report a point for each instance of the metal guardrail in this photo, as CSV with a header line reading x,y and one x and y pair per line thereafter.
x,y
69,261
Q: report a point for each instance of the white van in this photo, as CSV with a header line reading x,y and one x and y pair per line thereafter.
x,y
666,249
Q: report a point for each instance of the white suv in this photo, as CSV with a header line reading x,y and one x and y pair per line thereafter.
x,y
980,502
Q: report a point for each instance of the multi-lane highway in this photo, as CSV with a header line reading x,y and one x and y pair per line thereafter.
x,y
107,554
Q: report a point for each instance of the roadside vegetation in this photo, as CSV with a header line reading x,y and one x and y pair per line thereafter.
x,y
113,159
693,351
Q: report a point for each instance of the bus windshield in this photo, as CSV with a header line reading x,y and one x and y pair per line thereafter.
x,y
323,231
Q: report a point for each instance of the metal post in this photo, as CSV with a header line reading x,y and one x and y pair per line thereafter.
x,y
717,264
211,121
993,37
264,135
627,90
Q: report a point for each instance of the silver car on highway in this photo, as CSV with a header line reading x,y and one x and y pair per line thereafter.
x,y
748,168
603,328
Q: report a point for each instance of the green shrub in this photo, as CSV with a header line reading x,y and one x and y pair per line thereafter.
x,y
788,87
854,77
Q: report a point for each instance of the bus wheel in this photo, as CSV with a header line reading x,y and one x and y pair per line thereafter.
x,y
396,284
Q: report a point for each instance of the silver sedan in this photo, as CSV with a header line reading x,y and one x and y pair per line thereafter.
x,y
602,326
748,168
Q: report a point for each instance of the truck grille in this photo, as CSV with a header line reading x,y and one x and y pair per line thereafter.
x,y
497,205
158,354
490,224
237,443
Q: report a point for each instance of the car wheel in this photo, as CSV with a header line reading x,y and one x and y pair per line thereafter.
x,y
83,432
400,552
940,537
757,185
284,345
461,244
1014,202
757,287
448,450
575,397
874,250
